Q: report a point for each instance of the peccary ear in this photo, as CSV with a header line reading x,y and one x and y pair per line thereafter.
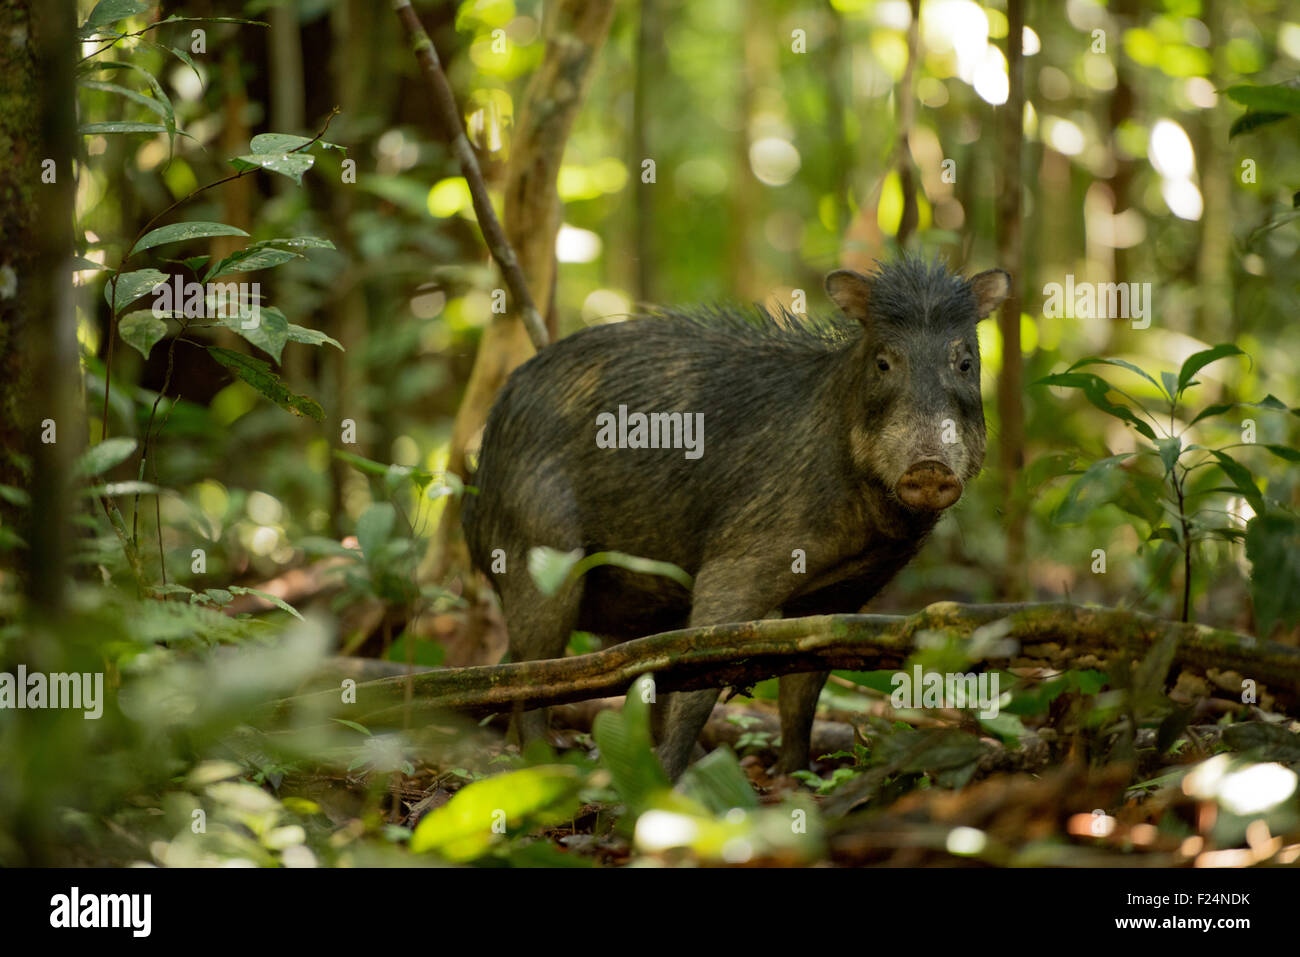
x,y
850,291
990,288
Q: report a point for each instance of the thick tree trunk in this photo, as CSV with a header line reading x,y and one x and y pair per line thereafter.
x,y
40,381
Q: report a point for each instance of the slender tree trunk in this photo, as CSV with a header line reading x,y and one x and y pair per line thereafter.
x,y
1011,413
575,32
1214,274
648,77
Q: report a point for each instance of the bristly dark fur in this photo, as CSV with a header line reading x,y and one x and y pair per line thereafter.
x,y
912,291
907,292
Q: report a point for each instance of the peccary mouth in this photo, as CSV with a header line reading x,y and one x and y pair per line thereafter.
x,y
928,486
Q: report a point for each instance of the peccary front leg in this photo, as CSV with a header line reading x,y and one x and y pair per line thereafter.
x,y
724,592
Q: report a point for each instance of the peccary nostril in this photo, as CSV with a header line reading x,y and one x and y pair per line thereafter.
x,y
928,486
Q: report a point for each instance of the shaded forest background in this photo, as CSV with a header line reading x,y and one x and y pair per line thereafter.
x,y
734,150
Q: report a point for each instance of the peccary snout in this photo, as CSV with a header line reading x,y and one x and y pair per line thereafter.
x,y
928,486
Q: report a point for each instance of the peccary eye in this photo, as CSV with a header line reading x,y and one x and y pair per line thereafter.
x,y
882,365
965,365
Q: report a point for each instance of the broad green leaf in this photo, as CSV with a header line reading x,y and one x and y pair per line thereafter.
x,y
141,330
250,259
1169,450
1196,362
625,747
1273,548
292,165
131,286
15,496
284,143
300,242
550,568
270,333
1269,99
1240,477
259,375
179,232
89,129
318,545
468,825
277,142
102,457
1253,120
312,337
111,11
718,782
1098,485
375,527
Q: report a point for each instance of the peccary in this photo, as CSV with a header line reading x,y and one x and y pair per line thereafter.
x,y
840,439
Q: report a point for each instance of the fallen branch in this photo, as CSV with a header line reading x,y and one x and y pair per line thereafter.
x,y
449,118
1060,636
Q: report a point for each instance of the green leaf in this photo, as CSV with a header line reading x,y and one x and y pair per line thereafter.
x,y
102,457
1273,549
1284,452
312,337
270,333
1198,361
259,375
141,330
250,259
1241,478
369,466
131,286
550,567
1116,362
1253,120
15,496
354,726
1212,410
1095,388
286,143
179,232
132,95
267,596
468,825
718,782
1273,403
111,11
277,142
374,528
90,129
625,749
1098,485
301,242
1270,99
292,165
1169,450
1171,384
